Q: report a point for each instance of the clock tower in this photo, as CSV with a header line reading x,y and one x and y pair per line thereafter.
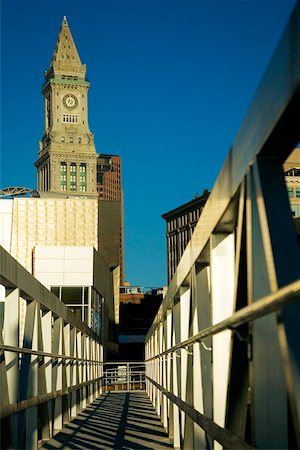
x,y
67,156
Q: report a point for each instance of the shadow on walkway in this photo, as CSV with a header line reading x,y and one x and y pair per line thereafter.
x,y
114,421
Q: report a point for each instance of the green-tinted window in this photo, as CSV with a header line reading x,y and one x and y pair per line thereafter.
x,y
63,176
73,177
82,177
290,192
297,192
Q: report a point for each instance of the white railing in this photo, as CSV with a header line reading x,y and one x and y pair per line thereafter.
x,y
223,354
51,363
124,376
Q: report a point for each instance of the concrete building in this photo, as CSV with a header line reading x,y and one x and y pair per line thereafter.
x,y
56,240
180,223
57,236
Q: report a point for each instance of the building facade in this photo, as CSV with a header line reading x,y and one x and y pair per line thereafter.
x,y
67,156
111,219
291,169
180,223
68,164
56,235
109,177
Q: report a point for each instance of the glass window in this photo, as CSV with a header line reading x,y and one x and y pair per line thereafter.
x,y
297,192
82,177
71,295
73,177
55,290
290,192
63,176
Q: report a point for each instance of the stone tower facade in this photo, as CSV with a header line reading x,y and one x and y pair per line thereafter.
x,y
67,158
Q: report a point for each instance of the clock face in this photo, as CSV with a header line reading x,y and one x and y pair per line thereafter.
x,y
70,101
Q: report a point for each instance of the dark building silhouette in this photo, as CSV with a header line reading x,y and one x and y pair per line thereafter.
x,y
180,224
111,210
137,312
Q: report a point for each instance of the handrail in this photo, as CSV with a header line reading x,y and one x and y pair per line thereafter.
x,y
221,435
12,408
268,304
9,348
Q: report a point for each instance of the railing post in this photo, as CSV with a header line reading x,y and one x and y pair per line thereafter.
x,y
11,337
57,375
45,334
73,371
128,378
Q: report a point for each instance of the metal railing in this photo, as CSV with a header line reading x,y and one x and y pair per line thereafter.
x,y
51,363
124,376
223,354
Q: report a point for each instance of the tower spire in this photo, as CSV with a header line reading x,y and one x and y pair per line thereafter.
x,y
64,22
65,59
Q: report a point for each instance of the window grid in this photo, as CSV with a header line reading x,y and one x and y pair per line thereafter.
x,y
70,118
73,177
82,177
63,176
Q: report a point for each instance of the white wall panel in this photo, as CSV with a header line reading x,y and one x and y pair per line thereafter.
x,y
222,286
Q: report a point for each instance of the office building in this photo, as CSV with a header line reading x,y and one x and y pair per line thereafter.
x,y
291,169
180,223
111,207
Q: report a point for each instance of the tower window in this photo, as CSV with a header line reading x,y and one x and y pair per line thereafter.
x,y
70,118
63,176
82,177
73,177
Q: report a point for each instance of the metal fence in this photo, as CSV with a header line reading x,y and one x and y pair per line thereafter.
x,y
223,354
124,376
51,363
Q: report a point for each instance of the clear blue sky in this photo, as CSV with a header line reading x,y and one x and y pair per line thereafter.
x,y
171,81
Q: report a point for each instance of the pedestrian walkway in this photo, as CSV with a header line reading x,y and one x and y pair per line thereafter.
x,y
117,421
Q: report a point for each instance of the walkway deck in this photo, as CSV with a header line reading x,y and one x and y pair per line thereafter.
x,y
114,421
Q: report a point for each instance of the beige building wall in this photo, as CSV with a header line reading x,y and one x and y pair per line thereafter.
x,y
52,221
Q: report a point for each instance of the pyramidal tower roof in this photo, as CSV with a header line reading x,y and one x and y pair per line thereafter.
x,y
65,59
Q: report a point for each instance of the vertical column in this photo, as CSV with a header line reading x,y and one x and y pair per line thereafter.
x,y
29,376
66,374
184,334
46,335
169,320
202,370
73,371
176,372
79,371
276,354
165,376
57,375
222,288
11,337
84,367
